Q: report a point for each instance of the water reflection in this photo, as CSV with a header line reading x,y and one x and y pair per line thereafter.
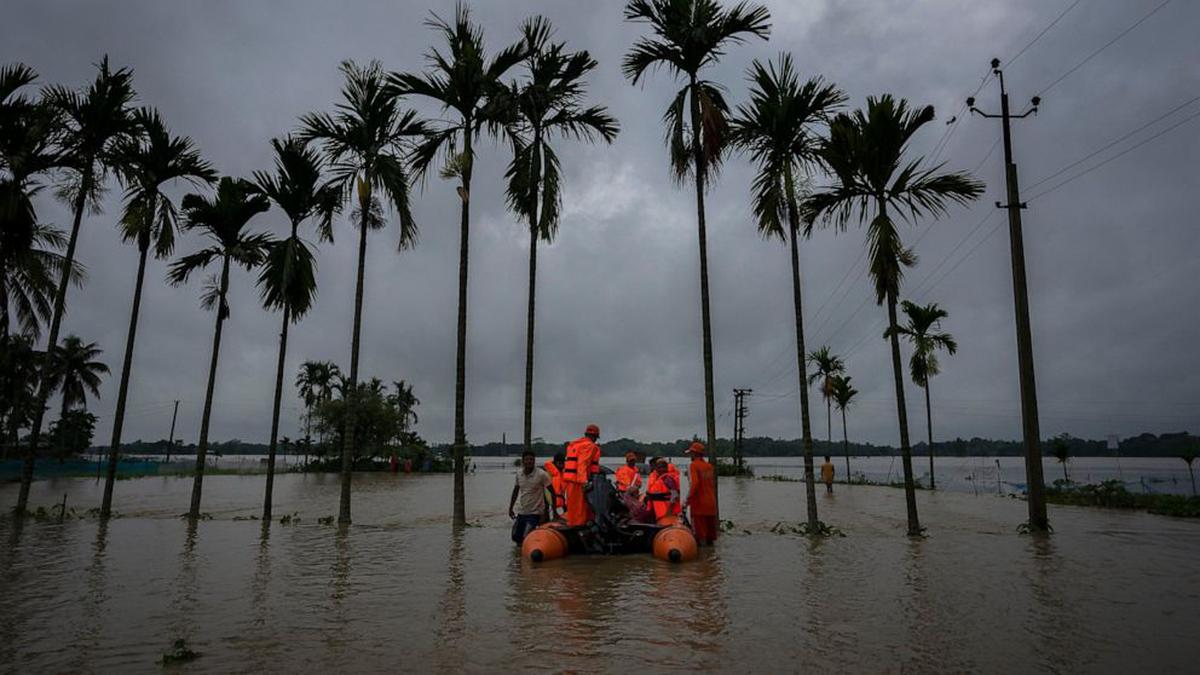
x,y
184,600
93,602
452,608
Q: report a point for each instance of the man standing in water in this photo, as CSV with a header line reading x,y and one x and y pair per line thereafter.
x,y
529,497
827,470
583,459
702,495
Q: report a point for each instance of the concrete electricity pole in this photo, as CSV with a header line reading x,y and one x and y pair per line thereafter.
x,y
739,424
171,440
1035,484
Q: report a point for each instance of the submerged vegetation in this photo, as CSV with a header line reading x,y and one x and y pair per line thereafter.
x,y
1112,494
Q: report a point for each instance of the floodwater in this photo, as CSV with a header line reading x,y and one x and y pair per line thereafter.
x,y
400,591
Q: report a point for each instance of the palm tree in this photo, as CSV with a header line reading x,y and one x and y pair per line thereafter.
x,y
27,275
465,81
146,163
315,382
777,128
866,154
1189,456
687,36
364,143
223,221
18,379
28,131
921,331
93,121
827,365
549,104
1061,447
73,370
406,402
288,280
843,396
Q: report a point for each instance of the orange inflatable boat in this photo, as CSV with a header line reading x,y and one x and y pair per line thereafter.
x,y
611,532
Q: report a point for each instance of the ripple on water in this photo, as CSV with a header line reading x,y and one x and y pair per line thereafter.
x,y
400,591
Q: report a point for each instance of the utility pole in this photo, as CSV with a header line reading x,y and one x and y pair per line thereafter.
x,y
1036,487
739,423
171,441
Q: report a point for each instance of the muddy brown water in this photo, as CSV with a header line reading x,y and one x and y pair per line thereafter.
x,y
400,591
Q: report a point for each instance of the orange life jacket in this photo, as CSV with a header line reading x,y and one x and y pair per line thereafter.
x,y
556,481
583,459
658,495
673,471
627,476
701,495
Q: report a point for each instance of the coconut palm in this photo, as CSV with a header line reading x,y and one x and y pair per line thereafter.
x,y
222,220
74,370
843,396
466,82
827,365
921,331
287,280
146,164
93,121
778,128
549,104
315,382
687,36
364,143
874,181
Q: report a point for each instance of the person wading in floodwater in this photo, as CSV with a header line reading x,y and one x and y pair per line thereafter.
x,y
827,471
529,497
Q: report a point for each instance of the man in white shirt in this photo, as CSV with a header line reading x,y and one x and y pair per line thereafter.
x,y
529,497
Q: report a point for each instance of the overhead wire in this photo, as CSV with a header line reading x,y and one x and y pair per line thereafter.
x,y
1103,47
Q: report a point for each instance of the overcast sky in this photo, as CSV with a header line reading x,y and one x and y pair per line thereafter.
x,y
1111,256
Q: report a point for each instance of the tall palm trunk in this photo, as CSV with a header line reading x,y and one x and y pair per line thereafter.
x,y
846,446
283,336
460,370
929,428
202,447
828,418
910,492
60,303
114,448
710,417
805,428
1193,477
535,170
348,435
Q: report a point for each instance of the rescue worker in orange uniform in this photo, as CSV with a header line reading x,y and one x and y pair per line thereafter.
x,y
582,460
662,490
628,477
554,467
702,495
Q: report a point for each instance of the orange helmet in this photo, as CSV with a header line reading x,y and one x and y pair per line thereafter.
x,y
592,430
695,448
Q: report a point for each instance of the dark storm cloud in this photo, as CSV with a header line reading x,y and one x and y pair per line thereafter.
x,y
1111,255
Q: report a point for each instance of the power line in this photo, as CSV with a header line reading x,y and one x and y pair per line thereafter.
x,y
1117,156
1039,35
1106,45
1115,141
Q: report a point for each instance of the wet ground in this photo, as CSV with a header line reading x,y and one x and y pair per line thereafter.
x,y
399,591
